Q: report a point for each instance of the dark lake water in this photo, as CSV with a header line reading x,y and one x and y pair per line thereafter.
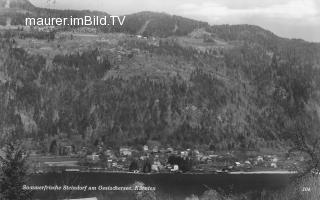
x,y
168,186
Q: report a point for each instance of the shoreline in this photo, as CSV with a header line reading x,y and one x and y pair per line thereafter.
x,y
281,172
265,172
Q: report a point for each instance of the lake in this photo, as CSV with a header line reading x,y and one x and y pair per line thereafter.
x,y
169,186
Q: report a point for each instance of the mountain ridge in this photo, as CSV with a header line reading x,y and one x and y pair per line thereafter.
x,y
135,21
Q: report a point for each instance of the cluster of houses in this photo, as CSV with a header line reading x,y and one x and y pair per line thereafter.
x,y
127,53
122,160
158,160
153,159
268,161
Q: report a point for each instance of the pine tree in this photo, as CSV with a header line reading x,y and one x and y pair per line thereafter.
x,y
13,174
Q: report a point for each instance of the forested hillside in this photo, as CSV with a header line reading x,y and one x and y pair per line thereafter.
x,y
187,84
253,105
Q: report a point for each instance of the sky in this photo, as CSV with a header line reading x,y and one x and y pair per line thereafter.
x,y
286,18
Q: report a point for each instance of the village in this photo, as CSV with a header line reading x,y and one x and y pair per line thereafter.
x,y
155,159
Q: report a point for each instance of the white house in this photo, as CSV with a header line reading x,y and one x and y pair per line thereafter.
x,y
155,149
145,148
154,168
175,168
247,162
93,157
184,153
275,159
259,159
125,151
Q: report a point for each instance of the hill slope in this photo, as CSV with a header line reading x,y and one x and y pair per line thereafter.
x,y
190,85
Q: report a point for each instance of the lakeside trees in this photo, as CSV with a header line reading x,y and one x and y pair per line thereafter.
x,y
13,174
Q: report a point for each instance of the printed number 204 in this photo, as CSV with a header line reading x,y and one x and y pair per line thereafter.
x,y
306,189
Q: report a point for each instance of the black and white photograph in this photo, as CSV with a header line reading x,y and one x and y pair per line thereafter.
x,y
159,100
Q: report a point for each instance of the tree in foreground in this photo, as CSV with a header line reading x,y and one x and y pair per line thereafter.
x,y
13,174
